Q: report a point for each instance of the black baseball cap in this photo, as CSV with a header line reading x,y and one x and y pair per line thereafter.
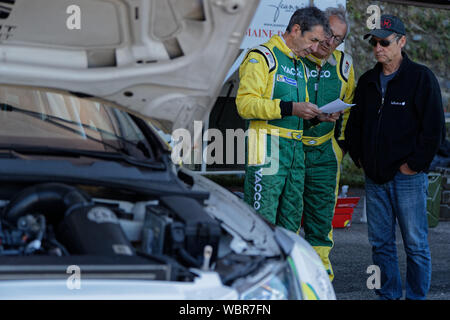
x,y
388,25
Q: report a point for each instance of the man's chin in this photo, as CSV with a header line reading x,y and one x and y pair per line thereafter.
x,y
380,58
320,54
304,53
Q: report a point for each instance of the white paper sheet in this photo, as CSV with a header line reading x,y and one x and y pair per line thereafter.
x,y
335,106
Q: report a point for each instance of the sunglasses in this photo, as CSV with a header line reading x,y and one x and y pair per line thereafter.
x,y
383,42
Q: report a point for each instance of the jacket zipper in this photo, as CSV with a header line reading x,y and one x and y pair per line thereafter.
x,y
298,99
316,89
380,109
380,116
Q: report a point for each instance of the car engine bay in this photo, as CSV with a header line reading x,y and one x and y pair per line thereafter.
x,y
60,224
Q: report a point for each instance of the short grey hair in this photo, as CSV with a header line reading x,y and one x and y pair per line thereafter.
x,y
340,13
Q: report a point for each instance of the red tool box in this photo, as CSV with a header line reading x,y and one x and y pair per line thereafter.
x,y
343,212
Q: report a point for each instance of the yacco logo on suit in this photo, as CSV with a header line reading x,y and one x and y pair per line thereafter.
x,y
258,188
6,8
291,71
323,74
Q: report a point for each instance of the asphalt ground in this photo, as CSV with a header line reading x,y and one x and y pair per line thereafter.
x,y
351,256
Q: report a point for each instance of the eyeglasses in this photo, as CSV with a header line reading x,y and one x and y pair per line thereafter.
x,y
383,42
336,39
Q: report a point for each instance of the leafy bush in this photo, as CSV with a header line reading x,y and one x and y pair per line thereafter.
x,y
351,175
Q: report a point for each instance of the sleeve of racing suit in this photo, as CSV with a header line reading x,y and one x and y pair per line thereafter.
x,y
250,100
428,102
348,98
353,129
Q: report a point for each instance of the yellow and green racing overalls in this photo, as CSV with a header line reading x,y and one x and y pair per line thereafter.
x,y
327,80
271,76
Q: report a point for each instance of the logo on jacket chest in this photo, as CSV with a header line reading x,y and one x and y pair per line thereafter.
x,y
398,103
323,74
283,78
292,72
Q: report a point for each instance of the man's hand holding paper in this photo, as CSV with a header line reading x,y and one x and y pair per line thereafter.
x,y
335,106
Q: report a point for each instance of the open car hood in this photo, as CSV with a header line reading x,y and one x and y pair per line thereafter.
x,y
160,59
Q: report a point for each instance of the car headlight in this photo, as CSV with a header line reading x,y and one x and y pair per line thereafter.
x,y
314,280
281,284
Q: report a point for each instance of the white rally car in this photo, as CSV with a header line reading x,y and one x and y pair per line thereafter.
x,y
91,204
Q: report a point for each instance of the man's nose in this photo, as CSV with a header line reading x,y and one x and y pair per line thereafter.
x,y
379,47
314,46
329,41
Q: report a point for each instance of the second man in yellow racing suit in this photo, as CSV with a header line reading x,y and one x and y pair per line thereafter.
x,y
330,76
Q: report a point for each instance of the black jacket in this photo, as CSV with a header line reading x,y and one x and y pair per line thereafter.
x,y
404,127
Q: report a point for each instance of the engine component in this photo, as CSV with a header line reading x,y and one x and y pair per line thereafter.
x,y
51,199
91,229
181,229
12,241
24,239
155,230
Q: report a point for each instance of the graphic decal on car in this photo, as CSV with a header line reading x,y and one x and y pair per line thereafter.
x,y
6,8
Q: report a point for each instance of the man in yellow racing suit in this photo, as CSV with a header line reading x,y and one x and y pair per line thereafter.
x,y
330,76
272,97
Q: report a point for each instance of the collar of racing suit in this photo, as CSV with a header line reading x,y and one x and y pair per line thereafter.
x,y
280,43
321,62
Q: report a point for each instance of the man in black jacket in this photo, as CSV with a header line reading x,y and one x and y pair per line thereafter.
x,y
393,133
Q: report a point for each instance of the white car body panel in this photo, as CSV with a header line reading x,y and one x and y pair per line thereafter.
x,y
205,287
164,60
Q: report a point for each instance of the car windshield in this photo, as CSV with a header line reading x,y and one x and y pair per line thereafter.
x,y
42,118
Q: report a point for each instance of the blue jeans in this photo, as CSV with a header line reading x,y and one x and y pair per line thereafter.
x,y
403,198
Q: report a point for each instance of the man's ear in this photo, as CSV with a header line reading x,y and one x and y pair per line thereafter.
x,y
296,28
402,41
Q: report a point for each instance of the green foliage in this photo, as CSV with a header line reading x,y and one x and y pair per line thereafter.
x,y
447,126
351,175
